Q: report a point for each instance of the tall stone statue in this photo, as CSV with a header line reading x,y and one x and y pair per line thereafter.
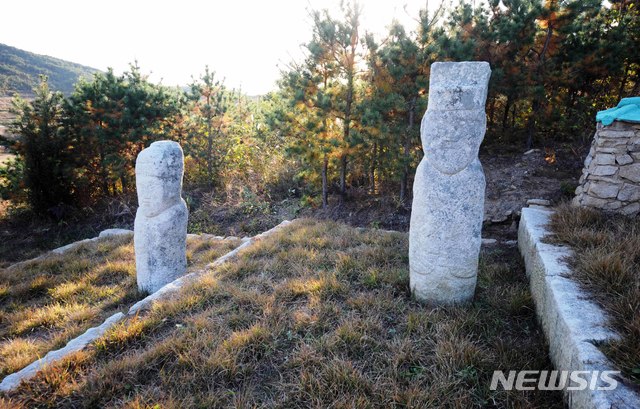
x,y
160,232
448,191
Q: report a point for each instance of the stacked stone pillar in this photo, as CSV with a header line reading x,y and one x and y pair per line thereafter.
x,y
610,179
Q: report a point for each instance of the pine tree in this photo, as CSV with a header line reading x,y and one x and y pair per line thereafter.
x,y
207,124
46,151
339,41
112,118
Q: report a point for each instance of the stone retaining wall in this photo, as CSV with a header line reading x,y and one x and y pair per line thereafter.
x,y
611,175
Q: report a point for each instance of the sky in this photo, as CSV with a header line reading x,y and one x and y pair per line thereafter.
x,y
243,41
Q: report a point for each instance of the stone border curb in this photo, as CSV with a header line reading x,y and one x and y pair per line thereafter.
x,y
177,284
12,381
61,250
571,322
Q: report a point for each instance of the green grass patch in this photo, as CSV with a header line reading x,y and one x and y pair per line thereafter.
x,y
317,315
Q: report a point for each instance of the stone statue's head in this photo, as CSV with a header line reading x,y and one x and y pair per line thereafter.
x,y
159,171
453,127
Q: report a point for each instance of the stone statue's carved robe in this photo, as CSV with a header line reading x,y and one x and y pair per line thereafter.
x,y
160,246
444,252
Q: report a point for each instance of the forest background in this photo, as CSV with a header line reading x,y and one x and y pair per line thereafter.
x,y
344,121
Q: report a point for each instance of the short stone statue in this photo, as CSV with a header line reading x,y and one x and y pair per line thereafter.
x,y
160,232
448,191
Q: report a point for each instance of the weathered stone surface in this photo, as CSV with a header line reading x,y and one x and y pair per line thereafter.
x,y
608,179
71,246
448,204
613,143
583,177
631,210
539,202
612,205
633,147
501,218
161,220
618,150
174,287
605,159
579,190
629,193
604,170
591,201
631,172
114,233
13,381
605,133
604,190
624,159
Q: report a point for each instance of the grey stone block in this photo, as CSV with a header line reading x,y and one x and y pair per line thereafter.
x,y
77,344
604,190
631,172
115,233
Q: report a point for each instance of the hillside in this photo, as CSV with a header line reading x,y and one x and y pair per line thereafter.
x,y
20,71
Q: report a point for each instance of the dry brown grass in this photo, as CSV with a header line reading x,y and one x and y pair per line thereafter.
x,y
318,315
607,264
45,303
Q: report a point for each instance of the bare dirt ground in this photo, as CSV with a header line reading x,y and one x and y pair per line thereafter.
x,y
512,179
537,174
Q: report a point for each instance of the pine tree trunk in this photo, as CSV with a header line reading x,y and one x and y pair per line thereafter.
x,y
531,123
343,176
537,99
404,183
209,153
125,184
325,193
623,82
492,110
372,170
103,171
505,116
351,72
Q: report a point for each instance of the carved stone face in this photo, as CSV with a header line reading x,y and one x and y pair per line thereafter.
x,y
159,170
154,195
451,139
